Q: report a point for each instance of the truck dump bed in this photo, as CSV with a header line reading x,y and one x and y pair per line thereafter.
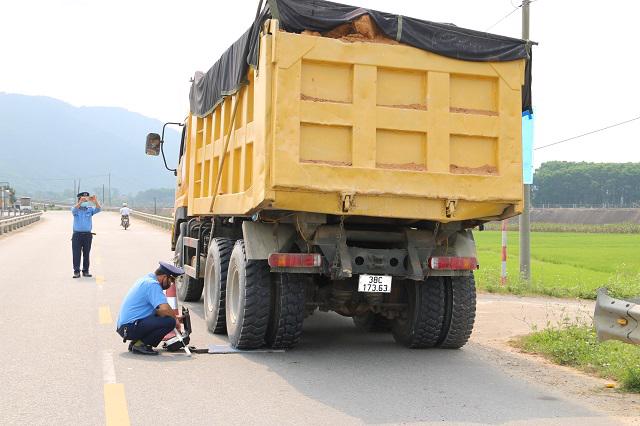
x,y
361,128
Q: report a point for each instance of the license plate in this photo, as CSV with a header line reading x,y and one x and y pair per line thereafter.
x,y
374,284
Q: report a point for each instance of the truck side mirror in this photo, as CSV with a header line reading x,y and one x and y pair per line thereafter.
x,y
153,144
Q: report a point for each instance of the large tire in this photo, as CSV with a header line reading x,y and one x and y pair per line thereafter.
x,y
421,325
371,322
287,310
247,299
215,284
188,289
460,296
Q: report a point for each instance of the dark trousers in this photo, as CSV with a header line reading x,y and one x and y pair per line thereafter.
x,y
150,330
81,245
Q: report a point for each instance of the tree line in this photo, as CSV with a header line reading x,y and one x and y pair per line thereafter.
x,y
587,184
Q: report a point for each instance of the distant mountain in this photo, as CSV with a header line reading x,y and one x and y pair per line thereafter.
x,y
46,143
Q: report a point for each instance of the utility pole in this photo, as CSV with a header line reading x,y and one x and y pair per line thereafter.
x,y
109,189
102,193
155,211
3,188
525,226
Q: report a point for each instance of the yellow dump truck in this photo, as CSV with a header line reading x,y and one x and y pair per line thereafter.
x,y
337,158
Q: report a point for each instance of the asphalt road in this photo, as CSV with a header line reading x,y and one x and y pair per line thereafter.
x,y
63,363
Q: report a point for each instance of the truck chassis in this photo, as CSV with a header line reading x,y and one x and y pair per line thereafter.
x,y
262,275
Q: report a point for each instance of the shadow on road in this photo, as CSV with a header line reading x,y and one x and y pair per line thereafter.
x,y
369,377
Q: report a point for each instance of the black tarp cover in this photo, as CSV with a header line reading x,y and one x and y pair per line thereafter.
x,y
229,73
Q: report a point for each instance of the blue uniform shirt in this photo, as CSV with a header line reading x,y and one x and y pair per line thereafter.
x,y
82,218
141,300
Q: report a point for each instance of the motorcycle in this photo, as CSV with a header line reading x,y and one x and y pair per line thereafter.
x,y
124,222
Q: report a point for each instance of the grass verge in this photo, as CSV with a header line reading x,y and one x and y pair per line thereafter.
x,y
575,345
563,264
608,228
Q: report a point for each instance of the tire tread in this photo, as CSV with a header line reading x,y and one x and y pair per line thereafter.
x,y
225,247
257,292
462,307
424,329
287,310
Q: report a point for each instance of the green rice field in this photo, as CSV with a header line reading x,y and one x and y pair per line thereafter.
x,y
564,264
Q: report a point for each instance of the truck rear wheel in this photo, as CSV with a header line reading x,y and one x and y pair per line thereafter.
x,y
460,313
287,310
372,322
247,300
420,325
215,284
188,289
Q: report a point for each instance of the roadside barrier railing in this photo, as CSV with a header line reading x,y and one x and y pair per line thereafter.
x,y
162,221
6,213
11,224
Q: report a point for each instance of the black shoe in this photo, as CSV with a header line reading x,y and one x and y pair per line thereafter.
x,y
86,274
76,275
131,346
143,349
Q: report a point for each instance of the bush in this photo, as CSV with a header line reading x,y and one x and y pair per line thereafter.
x,y
631,380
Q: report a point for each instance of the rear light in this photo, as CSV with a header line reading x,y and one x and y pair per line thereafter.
x,y
295,260
453,263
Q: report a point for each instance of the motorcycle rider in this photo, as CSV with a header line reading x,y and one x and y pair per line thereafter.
x,y
124,213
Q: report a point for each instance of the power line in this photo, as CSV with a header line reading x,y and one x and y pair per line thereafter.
x,y
504,17
67,178
588,133
515,8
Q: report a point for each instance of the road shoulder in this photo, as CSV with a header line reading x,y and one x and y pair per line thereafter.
x,y
503,318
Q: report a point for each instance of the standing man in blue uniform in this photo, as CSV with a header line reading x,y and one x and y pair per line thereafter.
x,y
145,315
82,212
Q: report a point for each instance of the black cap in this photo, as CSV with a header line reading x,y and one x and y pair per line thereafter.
x,y
171,270
83,194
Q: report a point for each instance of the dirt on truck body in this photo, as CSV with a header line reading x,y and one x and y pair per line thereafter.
x,y
337,159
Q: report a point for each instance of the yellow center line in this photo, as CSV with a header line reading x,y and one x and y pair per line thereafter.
x,y
99,279
115,405
104,315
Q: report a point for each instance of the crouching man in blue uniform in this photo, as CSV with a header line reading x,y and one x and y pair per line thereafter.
x,y
145,316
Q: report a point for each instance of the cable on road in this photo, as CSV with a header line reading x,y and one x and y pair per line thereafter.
x,y
588,133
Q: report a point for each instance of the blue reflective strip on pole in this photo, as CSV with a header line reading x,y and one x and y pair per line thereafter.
x,y
527,147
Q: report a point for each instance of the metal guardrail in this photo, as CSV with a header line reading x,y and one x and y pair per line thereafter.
x,y
162,221
11,224
7,213
617,319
